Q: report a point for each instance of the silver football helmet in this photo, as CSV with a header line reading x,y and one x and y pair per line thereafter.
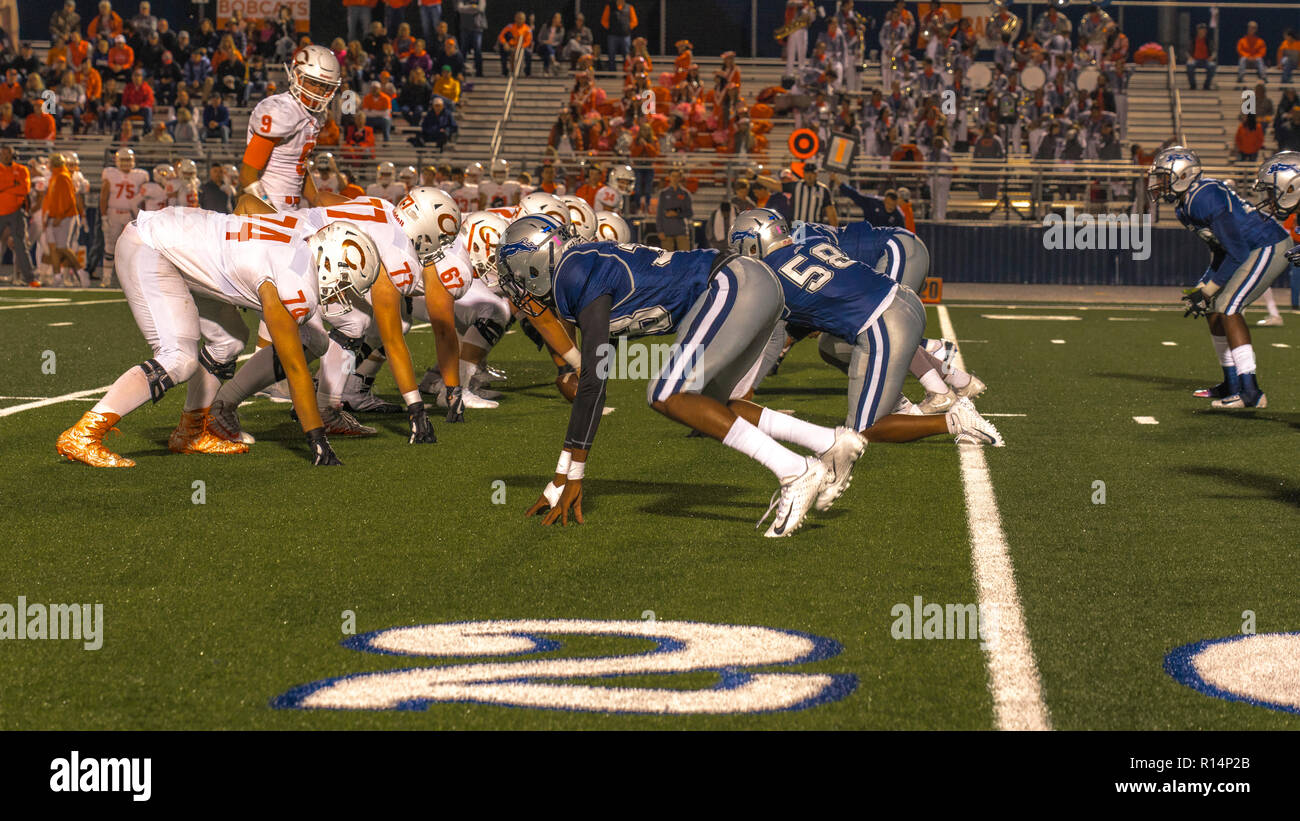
x,y
124,159
610,227
385,173
621,179
758,232
1172,173
1279,181
581,216
347,264
530,252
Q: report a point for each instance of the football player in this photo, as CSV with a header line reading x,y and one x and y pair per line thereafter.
x,y
847,300
467,195
610,227
186,193
500,191
386,186
186,273
40,175
723,311
619,185
408,237
81,185
1248,251
408,177
581,216
282,130
122,191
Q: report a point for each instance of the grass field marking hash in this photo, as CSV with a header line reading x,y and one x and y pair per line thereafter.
x,y
1013,672
1146,420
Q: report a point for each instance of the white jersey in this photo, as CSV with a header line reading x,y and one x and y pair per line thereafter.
x,y
455,271
80,184
227,257
328,183
393,191
378,219
154,197
448,186
125,189
499,194
466,197
608,199
185,193
282,117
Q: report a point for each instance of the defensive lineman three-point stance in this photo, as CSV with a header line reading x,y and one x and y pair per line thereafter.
x,y
1248,251
185,274
722,309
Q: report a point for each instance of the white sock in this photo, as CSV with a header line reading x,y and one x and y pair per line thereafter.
x,y
130,391
467,371
201,389
370,366
1270,302
933,382
787,428
1221,348
755,444
1244,358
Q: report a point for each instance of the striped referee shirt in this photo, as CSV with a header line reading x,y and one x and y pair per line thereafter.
x,y
807,202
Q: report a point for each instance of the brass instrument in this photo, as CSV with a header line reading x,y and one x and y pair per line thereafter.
x,y
802,21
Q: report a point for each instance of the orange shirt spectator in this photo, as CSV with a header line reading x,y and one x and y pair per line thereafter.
x,y
1250,140
359,138
1251,47
60,199
516,35
587,192
111,29
91,82
11,89
39,126
56,51
1289,44
121,57
15,183
78,51
377,102
329,133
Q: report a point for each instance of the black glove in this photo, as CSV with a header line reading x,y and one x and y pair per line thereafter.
x,y
421,427
321,452
1198,304
1293,255
455,404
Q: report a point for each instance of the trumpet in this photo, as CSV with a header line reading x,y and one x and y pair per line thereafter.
x,y
800,22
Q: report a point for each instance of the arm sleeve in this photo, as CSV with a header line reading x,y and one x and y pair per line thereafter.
x,y
866,203
589,404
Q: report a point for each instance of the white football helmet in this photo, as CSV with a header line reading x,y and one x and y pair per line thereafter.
x,y
540,202
314,77
71,158
758,232
1279,180
347,264
40,165
581,217
386,172
409,177
530,252
483,231
1172,173
612,228
473,173
430,218
500,170
124,159
187,170
163,173
621,179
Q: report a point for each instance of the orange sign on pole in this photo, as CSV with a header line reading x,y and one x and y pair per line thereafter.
x,y
804,144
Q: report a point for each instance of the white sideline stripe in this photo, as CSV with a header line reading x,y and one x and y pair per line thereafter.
x,y
1170,344
1013,673
1280,345
1146,420
60,304
1127,319
1044,317
1058,341
68,397
60,324
32,398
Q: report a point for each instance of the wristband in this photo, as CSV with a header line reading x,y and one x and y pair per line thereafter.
x,y
412,398
551,493
562,466
576,470
1209,289
572,358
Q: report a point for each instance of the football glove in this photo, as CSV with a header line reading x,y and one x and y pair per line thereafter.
x,y
1198,303
1293,255
421,427
321,452
455,404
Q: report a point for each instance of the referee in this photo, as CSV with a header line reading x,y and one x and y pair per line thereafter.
x,y
809,200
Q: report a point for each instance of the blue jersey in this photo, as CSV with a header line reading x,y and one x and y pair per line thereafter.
x,y
651,289
826,290
1232,227
865,243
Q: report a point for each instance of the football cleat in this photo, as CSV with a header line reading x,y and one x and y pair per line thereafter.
x,y
971,428
795,497
905,407
940,349
278,392
359,397
223,422
496,374
1219,391
340,422
431,384
472,400
1270,321
937,402
192,436
973,388
839,459
84,442
1240,402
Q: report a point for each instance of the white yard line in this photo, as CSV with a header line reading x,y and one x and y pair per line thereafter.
x,y
1034,317
59,304
1013,672
1146,420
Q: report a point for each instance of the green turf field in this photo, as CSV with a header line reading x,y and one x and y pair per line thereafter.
x,y
213,611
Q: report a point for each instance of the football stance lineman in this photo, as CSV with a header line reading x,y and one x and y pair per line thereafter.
x,y
1248,251
186,273
723,311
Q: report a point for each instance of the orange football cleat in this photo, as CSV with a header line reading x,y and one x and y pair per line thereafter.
x,y
84,442
192,436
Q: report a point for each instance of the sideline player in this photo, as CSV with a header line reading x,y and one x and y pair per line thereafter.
x,y
121,194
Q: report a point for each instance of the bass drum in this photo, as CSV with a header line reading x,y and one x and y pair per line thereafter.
x,y
1087,79
979,76
1033,78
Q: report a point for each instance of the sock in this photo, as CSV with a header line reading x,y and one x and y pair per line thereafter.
x,y
369,367
257,373
201,389
755,444
1226,360
130,391
789,429
1270,303
1244,358
467,371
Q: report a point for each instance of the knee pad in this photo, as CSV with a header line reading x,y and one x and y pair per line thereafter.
x,y
221,370
159,380
488,331
348,343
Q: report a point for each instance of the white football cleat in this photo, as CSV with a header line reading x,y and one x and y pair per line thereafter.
x,y
839,459
479,384
973,389
1270,321
793,500
341,423
937,402
224,423
971,428
1236,402
905,407
471,399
